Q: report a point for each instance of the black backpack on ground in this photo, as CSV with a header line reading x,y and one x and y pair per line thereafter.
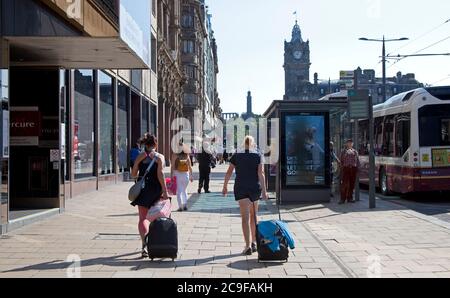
x,y
162,240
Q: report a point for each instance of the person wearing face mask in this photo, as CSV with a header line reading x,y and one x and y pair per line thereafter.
x,y
155,185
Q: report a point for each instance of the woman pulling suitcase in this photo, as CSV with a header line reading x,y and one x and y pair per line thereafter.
x,y
250,186
155,185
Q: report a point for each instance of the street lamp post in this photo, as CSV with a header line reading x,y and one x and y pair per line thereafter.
x,y
384,59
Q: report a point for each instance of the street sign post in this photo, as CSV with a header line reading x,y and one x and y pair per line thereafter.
x,y
360,108
358,104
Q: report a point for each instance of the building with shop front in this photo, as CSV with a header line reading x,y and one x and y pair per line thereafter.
x,y
78,88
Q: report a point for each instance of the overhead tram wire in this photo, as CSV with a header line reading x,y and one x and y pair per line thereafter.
x,y
426,48
441,80
421,36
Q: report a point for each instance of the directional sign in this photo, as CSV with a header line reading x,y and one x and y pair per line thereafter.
x,y
358,104
347,79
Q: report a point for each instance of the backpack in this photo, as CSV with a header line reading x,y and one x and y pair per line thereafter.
x,y
182,164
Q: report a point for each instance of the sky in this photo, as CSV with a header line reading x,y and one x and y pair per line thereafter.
x,y
251,33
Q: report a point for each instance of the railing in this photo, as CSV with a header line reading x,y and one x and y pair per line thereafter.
x,y
110,8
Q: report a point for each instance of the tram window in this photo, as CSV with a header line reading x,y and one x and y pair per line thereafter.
x,y
378,136
445,131
388,136
443,93
363,137
434,125
403,134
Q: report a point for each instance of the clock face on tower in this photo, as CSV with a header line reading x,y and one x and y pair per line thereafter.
x,y
298,55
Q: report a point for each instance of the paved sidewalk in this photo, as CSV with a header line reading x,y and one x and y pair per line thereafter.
x,y
333,241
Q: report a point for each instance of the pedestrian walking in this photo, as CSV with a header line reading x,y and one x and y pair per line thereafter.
x,y
225,156
205,161
349,169
181,168
155,185
250,185
135,152
192,155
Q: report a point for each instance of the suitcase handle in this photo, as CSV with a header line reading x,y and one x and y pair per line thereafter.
x,y
256,217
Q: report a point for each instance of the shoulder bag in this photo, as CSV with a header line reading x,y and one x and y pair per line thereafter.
x,y
136,189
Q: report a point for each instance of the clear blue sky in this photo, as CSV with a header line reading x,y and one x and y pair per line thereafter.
x,y
251,34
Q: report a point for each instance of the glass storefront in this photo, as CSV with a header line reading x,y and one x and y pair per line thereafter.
x,y
84,128
123,97
4,154
106,150
153,118
145,116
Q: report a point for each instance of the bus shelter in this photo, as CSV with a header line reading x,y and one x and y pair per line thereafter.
x,y
303,171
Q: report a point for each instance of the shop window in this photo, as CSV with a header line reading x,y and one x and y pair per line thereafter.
x,y
154,53
145,116
106,145
123,126
153,118
83,131
4,141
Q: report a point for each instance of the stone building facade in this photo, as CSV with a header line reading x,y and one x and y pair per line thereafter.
x,y
297,63
201,104
171,78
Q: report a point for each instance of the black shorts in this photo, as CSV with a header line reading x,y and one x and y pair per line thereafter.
x,y
242,194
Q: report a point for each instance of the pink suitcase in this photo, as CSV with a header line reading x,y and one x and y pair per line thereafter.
x,y
162,209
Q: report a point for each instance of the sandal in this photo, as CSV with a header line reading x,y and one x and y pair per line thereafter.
x,y
254,247
247,252
145,252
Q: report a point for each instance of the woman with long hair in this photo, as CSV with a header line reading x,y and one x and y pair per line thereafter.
x,y
250,186
181,168
155,185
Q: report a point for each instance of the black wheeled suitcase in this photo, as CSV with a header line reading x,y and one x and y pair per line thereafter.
x,y
162,240
265,254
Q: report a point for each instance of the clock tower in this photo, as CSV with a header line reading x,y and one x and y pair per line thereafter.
x,y
297,65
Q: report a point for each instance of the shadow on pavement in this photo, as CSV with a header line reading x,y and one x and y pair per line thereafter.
x,y
138,263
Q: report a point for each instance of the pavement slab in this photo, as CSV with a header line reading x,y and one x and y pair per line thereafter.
x,y
99,230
